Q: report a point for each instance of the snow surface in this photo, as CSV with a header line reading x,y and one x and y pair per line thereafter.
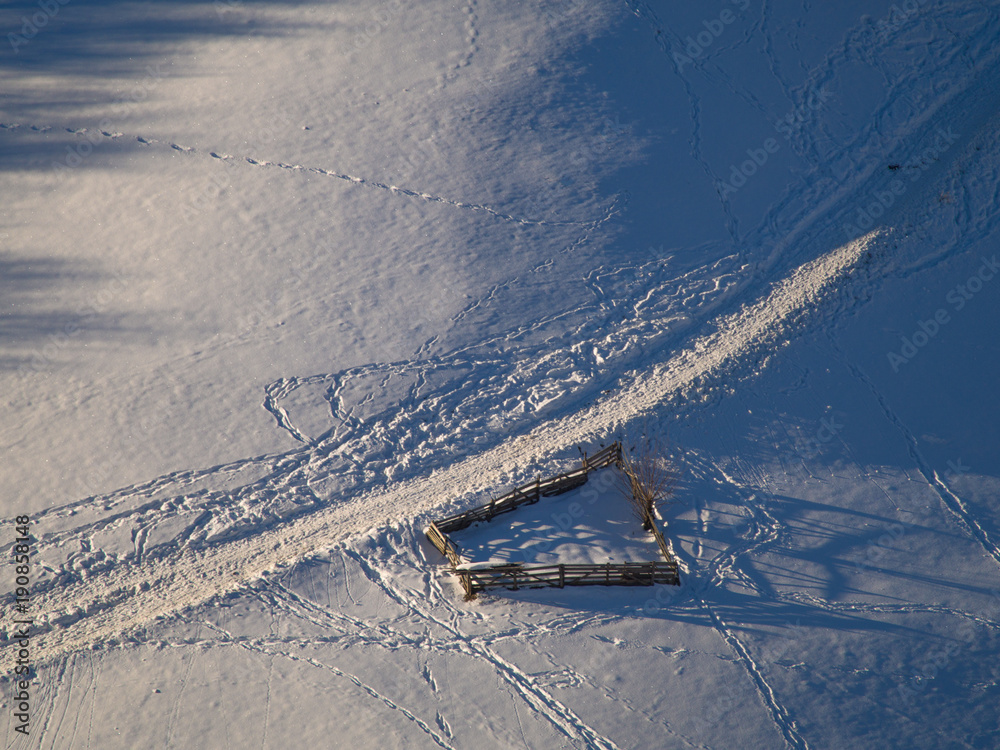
x,y
591,525
283,281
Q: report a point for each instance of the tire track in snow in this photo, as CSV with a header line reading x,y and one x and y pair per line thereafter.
x,y
227,637
464,385
779,715
644,12
893,609
843,163
955,505
561,717
353,632
267,704
59,679
128,596
173,714
765,529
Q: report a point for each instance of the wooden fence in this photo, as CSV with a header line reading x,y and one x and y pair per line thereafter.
x,y
531,492
535,576
516,575
660,541
445,546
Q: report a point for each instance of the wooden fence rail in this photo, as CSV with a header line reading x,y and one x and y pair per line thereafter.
x,y
532,492
559,576
660,541
444,545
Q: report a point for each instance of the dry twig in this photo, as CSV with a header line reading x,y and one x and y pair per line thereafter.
x,y
646,479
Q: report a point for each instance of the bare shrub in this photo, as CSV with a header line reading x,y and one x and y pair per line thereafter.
x,y
646,480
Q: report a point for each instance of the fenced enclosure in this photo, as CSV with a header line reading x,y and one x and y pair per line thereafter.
x,y
477,577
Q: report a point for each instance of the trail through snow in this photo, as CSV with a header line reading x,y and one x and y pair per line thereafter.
x,y
422,256
131,595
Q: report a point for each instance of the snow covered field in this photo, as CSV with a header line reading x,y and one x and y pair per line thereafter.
x,y
283,281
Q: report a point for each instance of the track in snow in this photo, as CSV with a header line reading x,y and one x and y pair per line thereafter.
x,y
127,596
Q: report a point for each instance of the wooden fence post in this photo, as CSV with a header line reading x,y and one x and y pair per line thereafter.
x,y
467,584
